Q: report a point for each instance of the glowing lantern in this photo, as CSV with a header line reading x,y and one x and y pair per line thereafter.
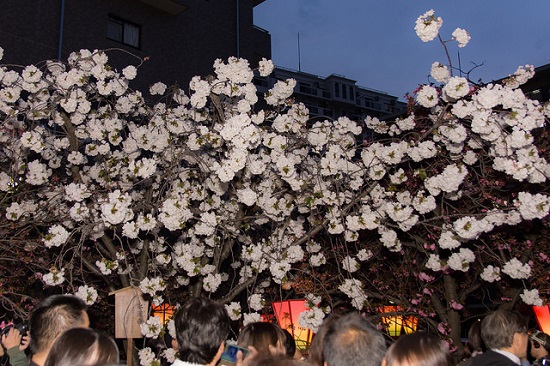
x,y
409,324
395,324
164,312
543,317
287,313
392,323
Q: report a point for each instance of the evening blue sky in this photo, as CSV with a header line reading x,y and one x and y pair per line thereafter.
x,y
374,42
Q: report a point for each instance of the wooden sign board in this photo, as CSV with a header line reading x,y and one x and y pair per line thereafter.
x,y
131,309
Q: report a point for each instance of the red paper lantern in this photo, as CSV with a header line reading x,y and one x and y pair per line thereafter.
x,y
287,313
543,317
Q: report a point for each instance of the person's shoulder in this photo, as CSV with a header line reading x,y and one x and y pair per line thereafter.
x,y
491,357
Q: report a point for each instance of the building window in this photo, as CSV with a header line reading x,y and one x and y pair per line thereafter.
x,y
260,81
344,92
314,110
306,88
337,90
123,31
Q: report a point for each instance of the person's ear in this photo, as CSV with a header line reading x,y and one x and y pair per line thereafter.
x,y
518,339
175,344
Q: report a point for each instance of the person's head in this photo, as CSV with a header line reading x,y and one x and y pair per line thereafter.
x,y
83,347
289,343
506,330
202,326
53,316
315,356
352,340
264,337
266,359
540,344
475,343
418,349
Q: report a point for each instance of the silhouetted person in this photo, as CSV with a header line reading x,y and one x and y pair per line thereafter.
x,y
418,349
475,345
505,335
315,356
266,359
202,326
352,340
14,344
290,347
83,346
264,337
540,348
50,318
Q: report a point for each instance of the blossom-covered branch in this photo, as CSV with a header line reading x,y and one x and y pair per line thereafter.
x,y
182,192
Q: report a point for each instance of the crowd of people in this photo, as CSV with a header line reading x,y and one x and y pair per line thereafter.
x,y
59,335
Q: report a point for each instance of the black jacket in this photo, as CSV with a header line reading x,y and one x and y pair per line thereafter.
x,y
492,358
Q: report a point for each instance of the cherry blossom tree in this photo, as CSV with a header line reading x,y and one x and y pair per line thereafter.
x,y
198,192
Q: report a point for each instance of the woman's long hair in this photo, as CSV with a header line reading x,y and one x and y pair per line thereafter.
x,y
84,347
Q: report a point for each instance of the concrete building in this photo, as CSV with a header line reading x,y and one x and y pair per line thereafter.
x,y
179,38
538,87
335,95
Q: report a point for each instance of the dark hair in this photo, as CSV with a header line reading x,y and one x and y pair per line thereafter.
x,y
266,359
541,339
418,349
202,325
261,335
475,342
498,328
352,340
52,316
316,349
82,346
290,343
